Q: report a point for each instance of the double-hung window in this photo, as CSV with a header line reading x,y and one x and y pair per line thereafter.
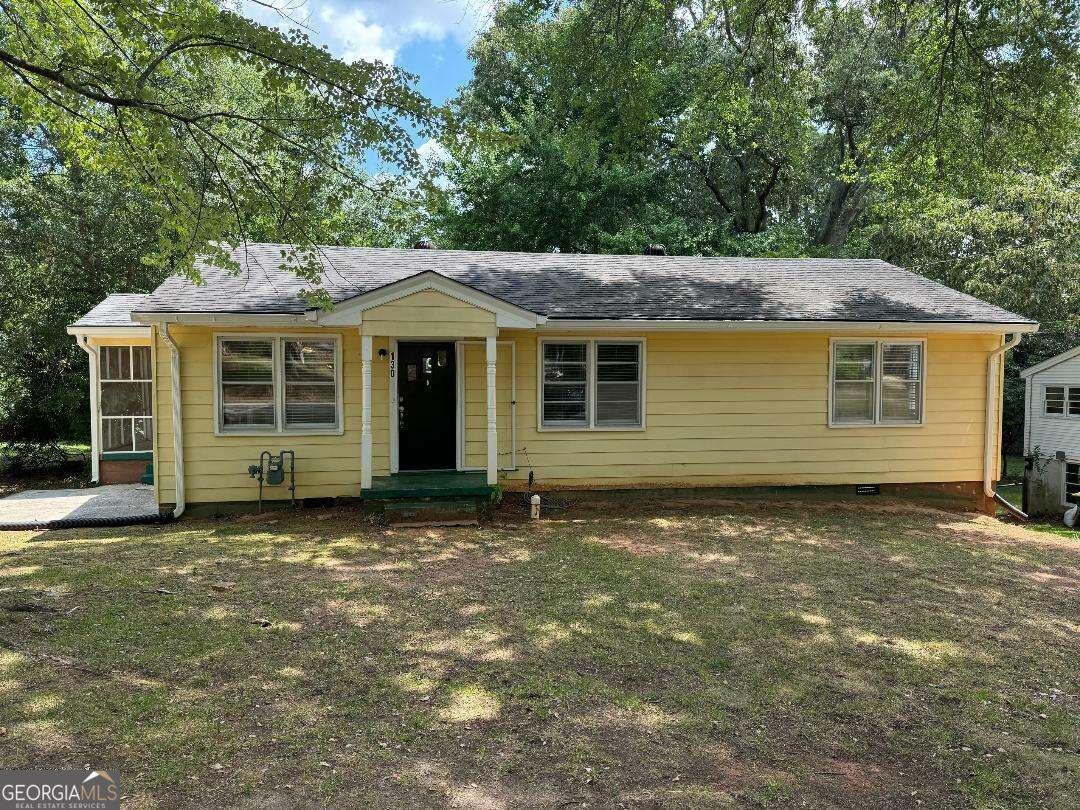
x,y
278,384
1061,400
877,382
595,384
125,377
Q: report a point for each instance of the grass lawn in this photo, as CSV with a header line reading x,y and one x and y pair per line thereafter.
x,y
652,654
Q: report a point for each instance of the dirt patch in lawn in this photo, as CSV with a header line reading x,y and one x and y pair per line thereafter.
x,y
681,653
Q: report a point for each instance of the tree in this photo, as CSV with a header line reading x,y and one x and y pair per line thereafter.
x,y
68,237
223,122
742,126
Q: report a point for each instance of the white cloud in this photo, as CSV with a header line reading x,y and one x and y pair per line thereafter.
x,y
356,37
431,150
375,29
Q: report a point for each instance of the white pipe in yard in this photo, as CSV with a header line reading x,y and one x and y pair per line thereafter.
x,y
177,420
95,421
989,456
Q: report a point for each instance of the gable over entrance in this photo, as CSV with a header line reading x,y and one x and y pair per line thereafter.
x,y
429,305
429,313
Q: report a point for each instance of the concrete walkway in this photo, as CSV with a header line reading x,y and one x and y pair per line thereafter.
x,y
114,504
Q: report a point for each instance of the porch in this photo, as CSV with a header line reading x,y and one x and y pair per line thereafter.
x,y
444,484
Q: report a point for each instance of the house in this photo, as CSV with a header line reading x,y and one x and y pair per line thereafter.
x,y
1052,433
547,371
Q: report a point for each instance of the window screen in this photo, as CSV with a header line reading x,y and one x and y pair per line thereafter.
x,y
247,383
901,382
618,384
853,382
565,377
125,398
310,389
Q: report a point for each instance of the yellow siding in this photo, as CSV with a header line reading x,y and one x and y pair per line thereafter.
x,y
429,314
216,466
722,409
475,405
751,408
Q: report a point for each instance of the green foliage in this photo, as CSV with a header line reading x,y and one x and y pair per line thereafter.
x,y
600,125
227,126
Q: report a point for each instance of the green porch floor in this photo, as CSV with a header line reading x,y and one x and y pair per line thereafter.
x,y
448,484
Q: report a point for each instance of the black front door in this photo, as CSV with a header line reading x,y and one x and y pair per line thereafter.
x,y
427,424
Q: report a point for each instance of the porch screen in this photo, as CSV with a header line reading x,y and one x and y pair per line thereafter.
x,y
125,399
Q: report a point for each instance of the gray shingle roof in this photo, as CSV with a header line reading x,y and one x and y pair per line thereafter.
x,y
563,285
115,310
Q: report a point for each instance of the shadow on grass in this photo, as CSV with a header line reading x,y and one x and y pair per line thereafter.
x,y
671,653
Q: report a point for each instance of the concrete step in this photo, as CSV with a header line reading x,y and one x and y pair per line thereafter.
x,y
448,512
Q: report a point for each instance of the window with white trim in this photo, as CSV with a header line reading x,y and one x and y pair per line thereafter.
x,y
278,384
126,394
877,382
1054,400
592,384
1072,483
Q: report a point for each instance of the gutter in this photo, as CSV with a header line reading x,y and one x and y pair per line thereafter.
x,y
95,421
992,398
177,420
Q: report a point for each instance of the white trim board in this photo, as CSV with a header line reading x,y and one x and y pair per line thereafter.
x,y
1050,363
897,327
133,331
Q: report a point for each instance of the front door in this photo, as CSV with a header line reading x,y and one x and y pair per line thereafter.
x,y
427,423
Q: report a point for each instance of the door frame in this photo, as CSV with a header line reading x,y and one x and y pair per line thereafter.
x,y
459,394
460,350
392,387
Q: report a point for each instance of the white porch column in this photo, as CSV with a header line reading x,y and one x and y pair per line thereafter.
x,y
492,428
365,414
95,419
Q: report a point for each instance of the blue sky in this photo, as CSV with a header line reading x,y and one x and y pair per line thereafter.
x,y
429,38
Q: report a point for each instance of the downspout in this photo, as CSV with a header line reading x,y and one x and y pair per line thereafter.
x,y
95,420
992,398
177,420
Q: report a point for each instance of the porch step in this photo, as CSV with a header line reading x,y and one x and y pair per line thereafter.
x,y
416,486
445,512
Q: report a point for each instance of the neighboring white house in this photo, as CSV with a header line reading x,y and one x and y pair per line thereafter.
x,y
1052,427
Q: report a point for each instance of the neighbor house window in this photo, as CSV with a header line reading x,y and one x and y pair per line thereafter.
x,y
1074,402
1072,483
877,382
592,384
126,399
277,384
1054,400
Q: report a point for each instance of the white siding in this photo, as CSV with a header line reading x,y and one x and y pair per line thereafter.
x,y
1052,434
